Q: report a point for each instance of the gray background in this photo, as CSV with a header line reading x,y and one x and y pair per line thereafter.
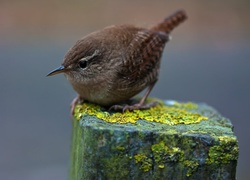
x,y
206,61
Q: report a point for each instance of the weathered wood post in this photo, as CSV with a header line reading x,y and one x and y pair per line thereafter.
x,y
170,141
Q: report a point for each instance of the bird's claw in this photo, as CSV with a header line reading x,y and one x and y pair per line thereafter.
x,y
76,100
132,107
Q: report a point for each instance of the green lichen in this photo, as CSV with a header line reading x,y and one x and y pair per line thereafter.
x,y
226,151
120,148
145,162
207,149
163,154
191,167
115,167
178,113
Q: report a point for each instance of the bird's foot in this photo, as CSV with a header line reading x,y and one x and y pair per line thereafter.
x,y
76,100
132,107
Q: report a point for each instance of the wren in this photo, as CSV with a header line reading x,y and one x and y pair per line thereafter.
x,y
110,66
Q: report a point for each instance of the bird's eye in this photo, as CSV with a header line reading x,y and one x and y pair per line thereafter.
x,y
83,64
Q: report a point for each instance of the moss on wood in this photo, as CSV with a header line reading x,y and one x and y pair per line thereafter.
x,y
176,113
193,142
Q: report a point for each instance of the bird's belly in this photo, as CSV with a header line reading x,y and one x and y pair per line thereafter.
x,y
93,93
103,94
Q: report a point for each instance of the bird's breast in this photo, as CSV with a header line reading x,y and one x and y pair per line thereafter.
x,y
93,92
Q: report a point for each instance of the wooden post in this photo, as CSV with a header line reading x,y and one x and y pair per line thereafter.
x,y
170,141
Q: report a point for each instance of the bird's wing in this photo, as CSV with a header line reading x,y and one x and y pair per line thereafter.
x,y
141,60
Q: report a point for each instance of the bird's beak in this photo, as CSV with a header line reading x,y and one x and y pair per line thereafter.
x,y
58,70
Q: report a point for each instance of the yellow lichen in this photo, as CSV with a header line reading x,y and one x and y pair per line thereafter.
x,y
163,154
226,151
161,166
145,162
120,148
176,114
191,167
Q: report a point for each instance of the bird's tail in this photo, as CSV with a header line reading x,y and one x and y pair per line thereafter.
x,y
169,23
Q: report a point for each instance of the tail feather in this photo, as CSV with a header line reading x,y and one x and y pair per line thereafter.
x,y
169,23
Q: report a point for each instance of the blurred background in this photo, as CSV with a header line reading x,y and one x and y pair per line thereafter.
x,y
207,60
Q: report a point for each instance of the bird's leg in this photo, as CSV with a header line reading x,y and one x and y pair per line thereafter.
x,y
77,100
140,105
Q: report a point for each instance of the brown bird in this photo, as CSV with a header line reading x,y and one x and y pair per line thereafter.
x,y
110,66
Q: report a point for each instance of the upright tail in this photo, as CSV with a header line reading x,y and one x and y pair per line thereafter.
x,y
169,23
